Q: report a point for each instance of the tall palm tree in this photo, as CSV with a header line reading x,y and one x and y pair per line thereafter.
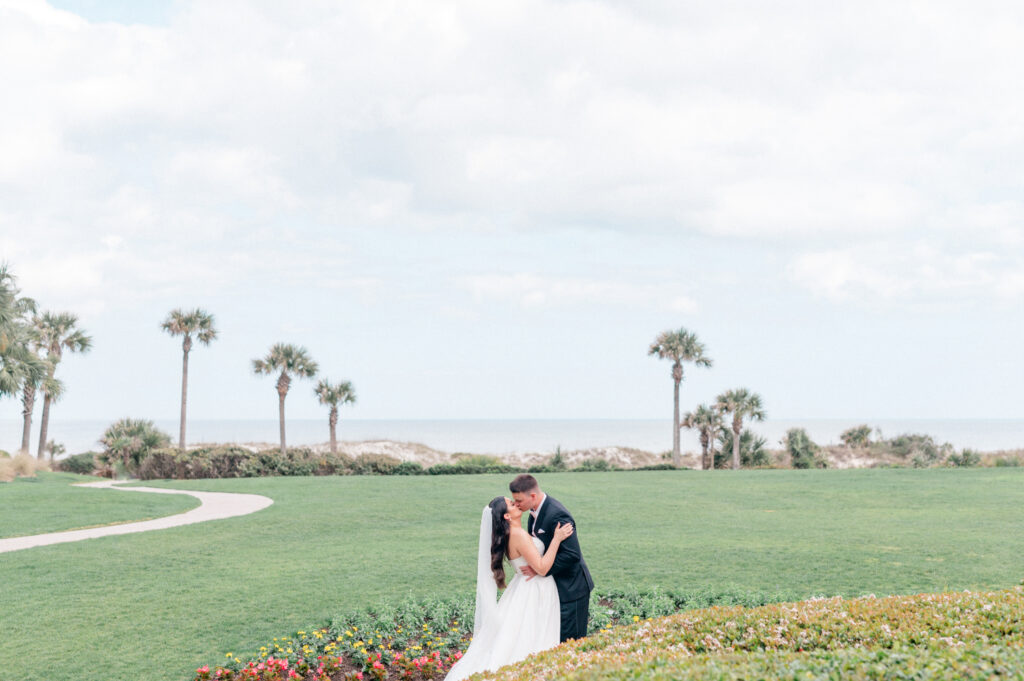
x,y
707,421
31,381
188,323
340,393
288,359
57,333
740,403
679,346
18,362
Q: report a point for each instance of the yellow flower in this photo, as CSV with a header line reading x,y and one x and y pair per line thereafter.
x,y
636,618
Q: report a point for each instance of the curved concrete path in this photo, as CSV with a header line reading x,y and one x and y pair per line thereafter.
x,y
212,506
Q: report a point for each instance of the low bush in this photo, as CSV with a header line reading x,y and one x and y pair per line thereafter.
x,y
470,469
736,635
421,639
82,464
967,458
375,464
594,464
803,452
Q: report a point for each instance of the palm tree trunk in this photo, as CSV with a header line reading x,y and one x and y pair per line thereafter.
x,y
184,391
333,422
705,462
282,389
736,427
676,457
44,423
28,403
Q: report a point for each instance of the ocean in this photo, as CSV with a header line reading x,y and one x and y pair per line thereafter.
x,y
486,436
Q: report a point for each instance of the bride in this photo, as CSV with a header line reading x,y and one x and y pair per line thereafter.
x,y
526,619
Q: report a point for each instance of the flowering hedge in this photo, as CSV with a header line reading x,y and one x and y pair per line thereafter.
x,y
421,639
949,635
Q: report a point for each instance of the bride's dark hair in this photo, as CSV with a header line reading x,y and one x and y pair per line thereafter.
x,y
499,539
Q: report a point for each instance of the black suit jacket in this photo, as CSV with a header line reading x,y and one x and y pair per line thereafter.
x,y
572,577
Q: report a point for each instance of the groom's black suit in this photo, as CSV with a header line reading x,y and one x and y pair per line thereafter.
x,y
569,569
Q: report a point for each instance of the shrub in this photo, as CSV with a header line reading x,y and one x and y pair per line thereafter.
x,y
921,450
753,449
802,450
656,467
374,464
465,469
82,464
4,454
1007,462
858,436
129,441
966,458
594,464
409,468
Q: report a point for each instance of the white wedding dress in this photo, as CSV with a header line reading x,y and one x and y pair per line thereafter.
x,y
527,621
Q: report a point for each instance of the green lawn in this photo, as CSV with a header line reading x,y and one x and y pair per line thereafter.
x,y
156,605
47,503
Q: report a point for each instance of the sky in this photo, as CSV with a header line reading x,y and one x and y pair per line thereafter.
x,y
490,210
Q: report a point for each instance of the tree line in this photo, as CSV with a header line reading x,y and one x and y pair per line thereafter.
x,y
679,346
33,343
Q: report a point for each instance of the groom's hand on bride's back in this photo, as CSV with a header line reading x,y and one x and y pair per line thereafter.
x,y
528,572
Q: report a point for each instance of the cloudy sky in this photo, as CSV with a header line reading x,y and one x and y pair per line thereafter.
x,y
489,210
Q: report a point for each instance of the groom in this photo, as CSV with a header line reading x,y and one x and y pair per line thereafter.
x,y
569,570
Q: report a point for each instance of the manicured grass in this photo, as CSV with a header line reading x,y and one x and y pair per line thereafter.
x,y
157,605
48,503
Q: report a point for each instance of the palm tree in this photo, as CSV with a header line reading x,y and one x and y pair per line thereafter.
x,y
707,421
18,362
679,346
182,323
57,333
288,359
740,403
342,393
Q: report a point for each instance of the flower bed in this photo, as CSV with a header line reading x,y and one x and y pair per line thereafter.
x,y
948,635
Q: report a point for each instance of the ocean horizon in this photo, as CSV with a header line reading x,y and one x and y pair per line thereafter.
x,y
517,436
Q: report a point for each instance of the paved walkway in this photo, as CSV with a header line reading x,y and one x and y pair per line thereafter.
x,y
212,506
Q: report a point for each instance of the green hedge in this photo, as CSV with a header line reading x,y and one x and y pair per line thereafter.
x,y
231,461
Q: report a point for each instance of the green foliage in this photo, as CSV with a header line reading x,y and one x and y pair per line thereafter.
x,y
374,464
1007,462
593,465
129,441
858,436
82,464
803,452
409,468
753,449
940,636
470,469
4,454
967,458
921,450
417,627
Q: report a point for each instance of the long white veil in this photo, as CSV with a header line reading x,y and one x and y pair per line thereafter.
x,y
486,587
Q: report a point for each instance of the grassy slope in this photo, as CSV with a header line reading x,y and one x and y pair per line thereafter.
x,y
48,503
154,606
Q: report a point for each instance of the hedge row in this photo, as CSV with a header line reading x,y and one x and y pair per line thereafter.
x,y
949,636
420,639
229,461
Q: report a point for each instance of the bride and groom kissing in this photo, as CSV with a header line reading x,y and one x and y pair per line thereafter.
x,y
548,599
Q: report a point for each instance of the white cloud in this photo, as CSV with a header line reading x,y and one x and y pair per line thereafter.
x,y
535,291
918,272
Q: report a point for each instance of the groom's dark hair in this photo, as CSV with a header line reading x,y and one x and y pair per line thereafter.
x,y
523,483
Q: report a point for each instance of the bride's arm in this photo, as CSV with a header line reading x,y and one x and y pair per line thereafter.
x,y
541,564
